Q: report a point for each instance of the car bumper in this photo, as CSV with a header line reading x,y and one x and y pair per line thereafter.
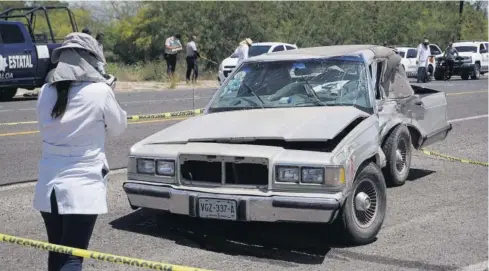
x,y
467,68
249,208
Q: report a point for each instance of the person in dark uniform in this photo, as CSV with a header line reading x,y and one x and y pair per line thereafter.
x,y
449,56
192,55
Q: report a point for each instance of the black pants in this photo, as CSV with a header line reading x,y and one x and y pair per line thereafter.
x,y
192,65
171,63
422,75
67,230
449,71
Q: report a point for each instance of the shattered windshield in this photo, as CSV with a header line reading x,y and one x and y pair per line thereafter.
x,y
339,81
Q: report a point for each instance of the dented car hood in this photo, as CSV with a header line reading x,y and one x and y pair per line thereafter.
x,y
289,124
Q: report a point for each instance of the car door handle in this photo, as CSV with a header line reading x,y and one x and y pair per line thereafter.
x,y
27,51
419,103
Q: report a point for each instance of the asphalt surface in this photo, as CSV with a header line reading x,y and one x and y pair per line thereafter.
x,y
436,221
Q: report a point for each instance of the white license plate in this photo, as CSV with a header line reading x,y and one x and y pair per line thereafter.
x,y
217,208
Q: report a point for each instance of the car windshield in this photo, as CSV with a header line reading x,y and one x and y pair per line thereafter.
x,y
338,81
256,50
465,49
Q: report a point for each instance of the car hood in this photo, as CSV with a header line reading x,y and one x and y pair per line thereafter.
x,y
229,62
290,124
466,54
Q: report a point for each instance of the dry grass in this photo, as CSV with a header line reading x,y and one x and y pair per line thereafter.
x,y
154,71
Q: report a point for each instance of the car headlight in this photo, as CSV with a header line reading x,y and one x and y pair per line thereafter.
x,y
165,167
313,175
329,176
146,166
288,174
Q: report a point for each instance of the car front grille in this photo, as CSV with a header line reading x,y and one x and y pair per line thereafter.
x,y
223,170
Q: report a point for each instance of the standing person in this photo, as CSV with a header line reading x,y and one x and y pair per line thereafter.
x,y
172,47
192,55
449,56
423,55
100,40
75,110
242,50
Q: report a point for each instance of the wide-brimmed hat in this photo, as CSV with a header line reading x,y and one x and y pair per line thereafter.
x,y
78,59
249,41
79,41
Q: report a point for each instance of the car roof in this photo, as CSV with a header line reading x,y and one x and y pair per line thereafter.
x,y
272,43
325,51
468,43
403,48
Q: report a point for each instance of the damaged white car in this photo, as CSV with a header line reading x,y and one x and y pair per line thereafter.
x,y
309,135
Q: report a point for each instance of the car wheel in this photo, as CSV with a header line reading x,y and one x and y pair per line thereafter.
x,y
465,76
477,72
397,150
438,75
363,212
6,94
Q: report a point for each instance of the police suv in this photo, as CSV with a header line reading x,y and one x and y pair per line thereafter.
x,y
25,55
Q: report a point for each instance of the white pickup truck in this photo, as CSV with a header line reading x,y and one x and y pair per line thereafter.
x,y
472,60
410,56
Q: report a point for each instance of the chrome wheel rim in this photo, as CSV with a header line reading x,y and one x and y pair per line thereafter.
x,y
365,199
401,156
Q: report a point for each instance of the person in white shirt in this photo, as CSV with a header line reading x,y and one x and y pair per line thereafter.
x,y
192,55
172,47
75,110
423,56
242,50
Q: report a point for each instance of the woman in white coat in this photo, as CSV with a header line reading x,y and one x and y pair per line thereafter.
x,y
75,110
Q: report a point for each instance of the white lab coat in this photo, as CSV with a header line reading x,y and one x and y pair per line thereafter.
x,y
73,148
424,54
242,52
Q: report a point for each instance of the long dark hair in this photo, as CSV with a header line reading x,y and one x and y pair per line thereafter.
x,y
62,88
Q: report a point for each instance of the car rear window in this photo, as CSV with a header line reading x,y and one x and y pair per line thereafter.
x,y
256,50
11,34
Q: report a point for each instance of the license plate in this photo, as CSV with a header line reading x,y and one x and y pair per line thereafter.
x,y
217,208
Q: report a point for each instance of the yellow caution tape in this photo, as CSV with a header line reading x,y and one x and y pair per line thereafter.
x,y
451,158
95,255
168,115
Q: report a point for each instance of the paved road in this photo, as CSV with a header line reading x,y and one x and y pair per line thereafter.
x,y
437,221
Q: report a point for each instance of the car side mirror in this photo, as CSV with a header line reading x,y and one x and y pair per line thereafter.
x,y
483,51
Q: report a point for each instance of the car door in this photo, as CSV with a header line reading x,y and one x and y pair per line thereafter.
x,y
18,54
429,111
485,57
411,56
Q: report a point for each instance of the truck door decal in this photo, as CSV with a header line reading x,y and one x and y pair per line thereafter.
x,y
3,68
42,51
20,62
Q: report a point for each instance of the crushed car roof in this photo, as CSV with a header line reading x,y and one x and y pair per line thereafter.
x,y
369,51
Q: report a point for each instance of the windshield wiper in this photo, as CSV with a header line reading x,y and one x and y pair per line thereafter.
x,y
312,91
262,104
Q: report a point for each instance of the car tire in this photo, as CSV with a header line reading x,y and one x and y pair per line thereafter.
x,y
369,194
397,150
477,72
6,94
465,76
438,75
